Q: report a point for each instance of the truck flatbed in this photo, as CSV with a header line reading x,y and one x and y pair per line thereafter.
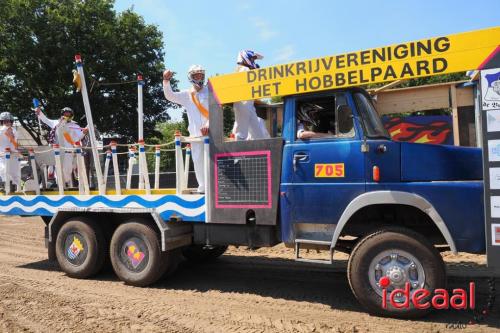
x,y
164,202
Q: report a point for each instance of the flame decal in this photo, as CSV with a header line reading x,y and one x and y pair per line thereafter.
x,y
437,132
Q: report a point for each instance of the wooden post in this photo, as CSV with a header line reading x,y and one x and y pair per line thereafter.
x,y
83,182
131,158
18,185
90,125
59,170
106,167
186,166
34,169
179,164
206,164
157,167
116,171
142,162
6,177
140,111
454,109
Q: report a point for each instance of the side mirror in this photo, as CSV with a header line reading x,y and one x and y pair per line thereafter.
x,y
344,122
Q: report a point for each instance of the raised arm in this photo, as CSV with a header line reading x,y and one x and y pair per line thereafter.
x,y
181,98
49,122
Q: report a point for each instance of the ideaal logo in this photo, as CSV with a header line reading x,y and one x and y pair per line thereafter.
x,y
460,299
401,298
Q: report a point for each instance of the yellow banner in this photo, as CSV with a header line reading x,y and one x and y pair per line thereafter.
x,y
426,57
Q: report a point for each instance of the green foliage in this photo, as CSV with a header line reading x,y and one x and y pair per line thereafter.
x,y
277,99
38,41
435,79
167,135
460,76
228,115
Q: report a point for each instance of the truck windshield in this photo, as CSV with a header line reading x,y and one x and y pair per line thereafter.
x,y
373,125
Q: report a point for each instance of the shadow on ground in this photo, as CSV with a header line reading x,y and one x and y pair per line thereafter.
x,y
289,280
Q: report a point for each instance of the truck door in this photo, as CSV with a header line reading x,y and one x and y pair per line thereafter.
x,y
382,160
324,164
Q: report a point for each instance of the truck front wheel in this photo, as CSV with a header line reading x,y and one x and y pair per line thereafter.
x,y
394,258
80,247
136,254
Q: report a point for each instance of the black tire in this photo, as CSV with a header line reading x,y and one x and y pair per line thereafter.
x,y
80,247
393,240
200,253
136,254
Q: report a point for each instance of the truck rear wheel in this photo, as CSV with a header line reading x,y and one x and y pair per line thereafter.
x,y
200,253
80,247
388,259
136,254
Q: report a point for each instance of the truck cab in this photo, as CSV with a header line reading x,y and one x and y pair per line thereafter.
x,y
354,177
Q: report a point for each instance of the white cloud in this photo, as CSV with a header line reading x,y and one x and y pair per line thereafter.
x,y
284,54
264,29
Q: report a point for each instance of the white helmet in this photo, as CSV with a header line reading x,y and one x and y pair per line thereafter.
x,y
196,69
247,58
6,116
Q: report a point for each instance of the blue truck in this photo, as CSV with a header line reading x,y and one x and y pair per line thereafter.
x,y
346,186
393,206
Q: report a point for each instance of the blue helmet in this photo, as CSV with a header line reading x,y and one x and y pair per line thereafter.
x,y
247,58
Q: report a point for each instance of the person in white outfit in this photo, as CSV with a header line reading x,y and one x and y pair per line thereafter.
x,y
8,139
195,102
262,126
65,132
246,122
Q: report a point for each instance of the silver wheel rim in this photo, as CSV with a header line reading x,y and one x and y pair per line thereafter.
x,y
400,267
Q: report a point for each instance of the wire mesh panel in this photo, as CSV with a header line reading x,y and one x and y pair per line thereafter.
x,y
243,179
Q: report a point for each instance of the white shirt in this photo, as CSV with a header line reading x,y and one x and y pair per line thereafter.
x,y
73,131
5,142
300,129
195,118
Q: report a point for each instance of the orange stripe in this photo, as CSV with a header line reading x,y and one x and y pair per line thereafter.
x,y
200,107
68,138
12,140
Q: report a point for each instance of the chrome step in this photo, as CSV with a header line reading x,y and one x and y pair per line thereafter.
x,y
315,261
299,241
312,241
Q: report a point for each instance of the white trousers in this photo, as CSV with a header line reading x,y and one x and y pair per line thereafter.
x,y
67,165
14,170
246,122
198,155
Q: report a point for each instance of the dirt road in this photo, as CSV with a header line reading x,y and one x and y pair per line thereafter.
x,y
244,291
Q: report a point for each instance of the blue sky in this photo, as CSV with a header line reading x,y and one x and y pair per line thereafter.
x,y
211,33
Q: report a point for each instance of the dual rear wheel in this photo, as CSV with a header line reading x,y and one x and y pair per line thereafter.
x,y
134,250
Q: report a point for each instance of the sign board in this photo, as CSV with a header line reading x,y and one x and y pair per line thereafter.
x,y
490,111
433,56
243,180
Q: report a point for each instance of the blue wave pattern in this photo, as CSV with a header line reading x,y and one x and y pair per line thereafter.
x,y
103,201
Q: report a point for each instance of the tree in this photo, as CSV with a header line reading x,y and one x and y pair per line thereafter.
x,y
38,41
